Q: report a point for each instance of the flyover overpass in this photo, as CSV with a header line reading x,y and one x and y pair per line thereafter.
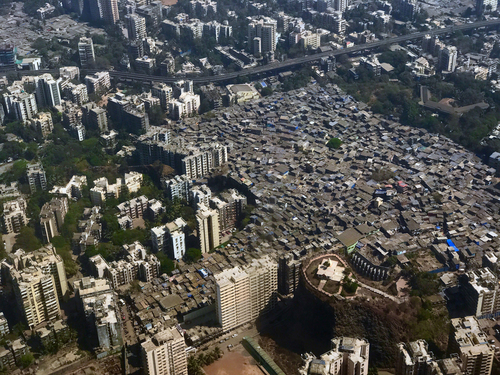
x,y
137,77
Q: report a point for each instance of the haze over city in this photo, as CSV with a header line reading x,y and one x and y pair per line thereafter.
x,y
239,187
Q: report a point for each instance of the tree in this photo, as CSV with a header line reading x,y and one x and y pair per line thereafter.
x,y
156,115
495,51
424,284
349,286
192,255
218,352
266,91
26,360
204,106
194,367
334,143
63,249
3,253
27,240
98,39
106,249
135,287
167,265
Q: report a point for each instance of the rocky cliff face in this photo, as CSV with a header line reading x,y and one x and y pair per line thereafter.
x,y
314,319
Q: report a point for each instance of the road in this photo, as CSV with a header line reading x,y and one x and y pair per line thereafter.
x,y
128,333
137,77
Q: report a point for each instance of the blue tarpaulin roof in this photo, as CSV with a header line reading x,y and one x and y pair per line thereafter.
x,y
450,243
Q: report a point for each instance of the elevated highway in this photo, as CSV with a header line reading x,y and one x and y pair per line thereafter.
x,y
287,64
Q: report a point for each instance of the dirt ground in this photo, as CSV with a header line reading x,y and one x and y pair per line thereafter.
x,y
288,361
110,365
237,362
427,262
66,356
139,223
10,240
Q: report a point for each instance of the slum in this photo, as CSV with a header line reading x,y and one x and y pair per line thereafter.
x,y
388,191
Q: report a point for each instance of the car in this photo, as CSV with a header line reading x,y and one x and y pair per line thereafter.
x,y
221,341
230,346
235,335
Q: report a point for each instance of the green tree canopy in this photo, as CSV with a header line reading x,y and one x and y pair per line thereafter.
x,y
192,255
334,143
26,360
27,240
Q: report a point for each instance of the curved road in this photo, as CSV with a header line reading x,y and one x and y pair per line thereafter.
x,y
291,62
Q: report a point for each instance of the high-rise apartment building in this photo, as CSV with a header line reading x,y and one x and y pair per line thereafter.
x,y
230,208
340,5
47,259
136,26
203,7
198,164
14,215
36,177
413,358
170,238
207,221
104,10
103,189
77,94
448,58
95,117
98,82
348,356
165,353
42,124
163,92
486,6
52,217
177,238
128,111
86,52
265,29
22,105
7,55
152,12
71,114
39,280
187,104
481,292
97,303
178,187
44,259
36,295
243,293
471,344
110,11
195,162
4,325
288,274
137,264
200,195
407,8
47,92
96,10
